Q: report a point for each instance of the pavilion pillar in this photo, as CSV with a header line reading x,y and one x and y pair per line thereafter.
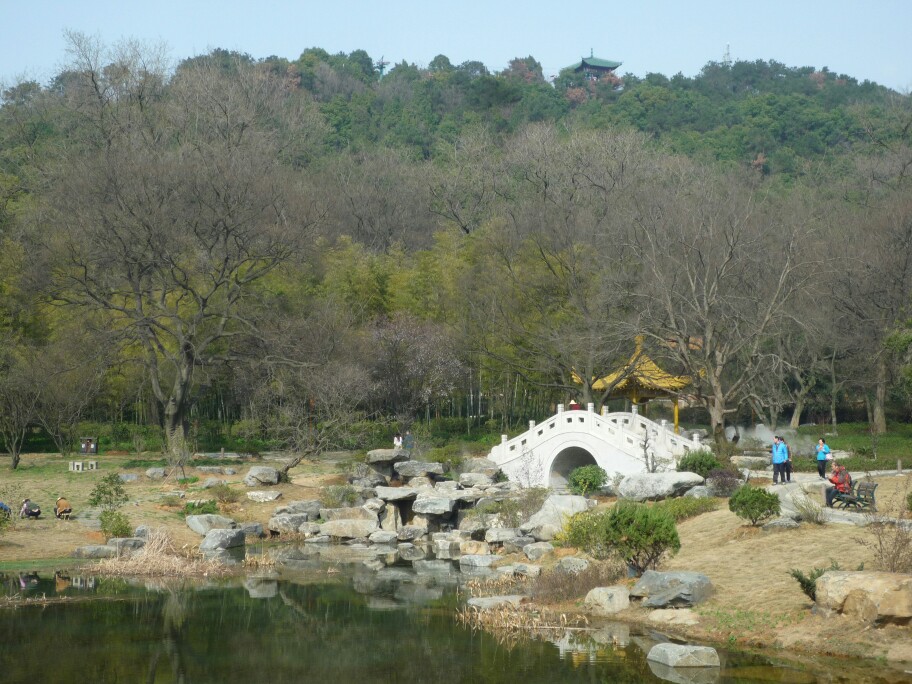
x,y
676,422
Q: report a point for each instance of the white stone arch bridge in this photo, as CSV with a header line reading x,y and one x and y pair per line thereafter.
x,y
544,455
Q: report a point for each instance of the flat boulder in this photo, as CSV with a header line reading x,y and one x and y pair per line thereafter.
x,y
657,486
348,513
288,522
387,455
432,503
396,493
156,473
202,524
681,655
672,589
310,507
418,469
484,466
95,551
535,551
259,476
263,497
349,528
475,480
495,602
222,539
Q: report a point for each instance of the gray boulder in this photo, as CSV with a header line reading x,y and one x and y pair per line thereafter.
x,y
202,524
608,600
383,537
349,528
156,473
222,539
259,476
418,469
699,492
571,565
475,561
411,532
680,655
212,482
396,493
475,480
498,535
430,503
535,551
550,520
493,602
128,477
288,522
481,465
251,529
310,507
95,551
126,545
263,497
672,589
657,486
354,513
387,456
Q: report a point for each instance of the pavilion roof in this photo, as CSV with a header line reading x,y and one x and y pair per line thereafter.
x,y
641,377
596,62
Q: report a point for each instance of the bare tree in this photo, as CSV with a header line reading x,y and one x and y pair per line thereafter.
x,y
19,396
169,206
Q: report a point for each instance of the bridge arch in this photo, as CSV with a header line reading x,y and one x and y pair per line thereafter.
x,y
566,461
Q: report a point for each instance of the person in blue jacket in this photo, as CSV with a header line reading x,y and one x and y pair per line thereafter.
x,y
780,456
823,455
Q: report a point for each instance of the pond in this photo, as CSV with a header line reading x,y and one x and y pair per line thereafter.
x,y
354,625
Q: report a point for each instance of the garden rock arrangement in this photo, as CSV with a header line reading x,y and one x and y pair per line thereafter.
x,y
881,597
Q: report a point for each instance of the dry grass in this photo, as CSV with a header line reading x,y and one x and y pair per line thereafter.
x,y
494,586
512,624
160,558
556,586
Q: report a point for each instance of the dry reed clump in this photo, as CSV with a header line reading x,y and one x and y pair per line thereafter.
x,y
159,558
808,509
557,586
892,536
511,624
493,586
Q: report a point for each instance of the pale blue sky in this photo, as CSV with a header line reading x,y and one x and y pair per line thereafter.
x,y
867,39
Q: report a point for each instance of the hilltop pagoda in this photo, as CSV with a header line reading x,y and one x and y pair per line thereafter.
x,y
595,68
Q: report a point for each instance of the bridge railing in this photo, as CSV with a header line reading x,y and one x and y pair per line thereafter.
x,y
624,430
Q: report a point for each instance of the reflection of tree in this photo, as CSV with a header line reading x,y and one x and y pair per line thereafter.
x,y
173,644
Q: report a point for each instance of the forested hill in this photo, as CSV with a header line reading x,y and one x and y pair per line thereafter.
x,y
758,112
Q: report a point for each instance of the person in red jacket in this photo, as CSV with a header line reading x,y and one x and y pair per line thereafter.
x,y
842,483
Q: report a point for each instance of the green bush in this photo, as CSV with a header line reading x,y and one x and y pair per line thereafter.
x,y
700,462
339,496
188,480
637,534
682,508
115,524
225,494
201,508
515,510
586,479
109,493
450,456
754,504
909,502
809,582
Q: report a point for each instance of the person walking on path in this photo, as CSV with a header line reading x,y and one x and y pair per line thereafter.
x,y
780,456
823,455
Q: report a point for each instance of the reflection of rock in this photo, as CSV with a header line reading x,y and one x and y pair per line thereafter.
x,y
382,603
684,675
410,552
433,567
613,634
261,587
232,556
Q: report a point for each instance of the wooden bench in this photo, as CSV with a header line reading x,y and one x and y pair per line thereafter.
x,y
861,496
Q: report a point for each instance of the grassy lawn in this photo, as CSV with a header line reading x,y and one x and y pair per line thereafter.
x,y
856,439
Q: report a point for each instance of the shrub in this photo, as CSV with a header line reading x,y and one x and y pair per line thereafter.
x,y
682,508
515,510
450,456
809,582
586,479
700,462
184,481
109,493
909,502
554,587
754,504
637,534
723,481
201,508
339,496
808,509
115,524
225,494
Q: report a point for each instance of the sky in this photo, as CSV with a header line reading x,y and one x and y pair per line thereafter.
x,y
866,39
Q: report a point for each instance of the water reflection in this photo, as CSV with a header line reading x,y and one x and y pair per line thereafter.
x,y
370,621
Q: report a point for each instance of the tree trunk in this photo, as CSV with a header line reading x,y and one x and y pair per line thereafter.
x,y
797,411
879,417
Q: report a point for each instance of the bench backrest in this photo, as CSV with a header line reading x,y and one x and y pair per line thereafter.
x,y
866,490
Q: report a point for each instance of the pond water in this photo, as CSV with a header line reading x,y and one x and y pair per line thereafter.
x,y
357,625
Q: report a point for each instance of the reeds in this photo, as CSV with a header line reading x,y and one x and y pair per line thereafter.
x,y
160,558
512,624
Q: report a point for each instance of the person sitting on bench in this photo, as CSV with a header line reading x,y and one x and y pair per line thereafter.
x,y
29,509
842,482
62,508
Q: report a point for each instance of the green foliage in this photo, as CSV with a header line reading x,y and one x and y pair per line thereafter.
x,y
723,481
701,462
109,493
450,456
200,508
225,494
809,582
637,534
339,496
115,524
754,504
909,502
587,479
681,508
184,481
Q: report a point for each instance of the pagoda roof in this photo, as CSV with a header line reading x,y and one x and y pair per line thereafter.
x,y
596,62
640,377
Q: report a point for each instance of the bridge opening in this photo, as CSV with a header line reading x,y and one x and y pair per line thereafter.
x,y
565,462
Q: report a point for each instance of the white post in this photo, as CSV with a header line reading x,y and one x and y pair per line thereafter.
x,y
604,410
560,408
696,437
635,410
590,407
531,424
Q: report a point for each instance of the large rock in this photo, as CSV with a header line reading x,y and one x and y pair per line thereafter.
x,y
432,503
387,456
498,535
311,508
535,551
383,537
607,600
866,596
156,473
481,465
474,548
672,589
475,561
258,476
95,551
396,493
679,655
549,521
391,519
411,532
475,480
571,565
354,513
222,539
349,529
657,486
494,602
288,522
126,545
202,524
418,469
